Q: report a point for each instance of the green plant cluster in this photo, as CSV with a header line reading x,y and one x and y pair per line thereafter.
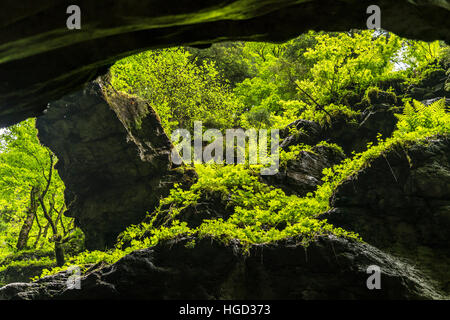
x,y
179,89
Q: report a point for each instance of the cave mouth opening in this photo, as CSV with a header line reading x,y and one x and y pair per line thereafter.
x,y
319,89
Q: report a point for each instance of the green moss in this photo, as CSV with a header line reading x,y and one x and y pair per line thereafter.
x,y
24,265
376,96
336,148
329,114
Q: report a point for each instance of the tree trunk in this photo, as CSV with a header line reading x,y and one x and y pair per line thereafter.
x,y
59,251
28,223
44,234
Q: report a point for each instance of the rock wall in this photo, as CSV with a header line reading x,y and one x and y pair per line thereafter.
x,y
330,268
303,175
401,204
114,158
41,60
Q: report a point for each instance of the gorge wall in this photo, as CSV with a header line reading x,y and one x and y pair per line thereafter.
x,y
406,212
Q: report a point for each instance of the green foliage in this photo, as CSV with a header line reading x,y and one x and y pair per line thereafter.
x,y
293,153
274,68
420,54
33,262
258,117
258,213
347,60
336,148
31,201
177,88
422,59
328,114
24,164
228,58
417,117
258,92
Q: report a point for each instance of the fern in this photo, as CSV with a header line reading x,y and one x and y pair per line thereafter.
x,y
438,106
422,118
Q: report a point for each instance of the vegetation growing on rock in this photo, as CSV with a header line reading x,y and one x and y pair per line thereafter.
x,y
352,94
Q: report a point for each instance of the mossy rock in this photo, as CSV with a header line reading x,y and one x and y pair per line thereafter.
x,y
396,85
351,99
24,265
377,96
432,76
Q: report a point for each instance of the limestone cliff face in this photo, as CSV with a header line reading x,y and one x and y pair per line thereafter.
x,y
114,158
41,60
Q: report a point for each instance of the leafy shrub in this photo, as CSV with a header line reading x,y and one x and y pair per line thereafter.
x,y
348,60
257,117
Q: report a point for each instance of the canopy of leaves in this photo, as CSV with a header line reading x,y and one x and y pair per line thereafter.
x,y
180,90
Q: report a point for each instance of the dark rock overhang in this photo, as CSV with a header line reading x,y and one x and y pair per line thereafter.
x,y
41,60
